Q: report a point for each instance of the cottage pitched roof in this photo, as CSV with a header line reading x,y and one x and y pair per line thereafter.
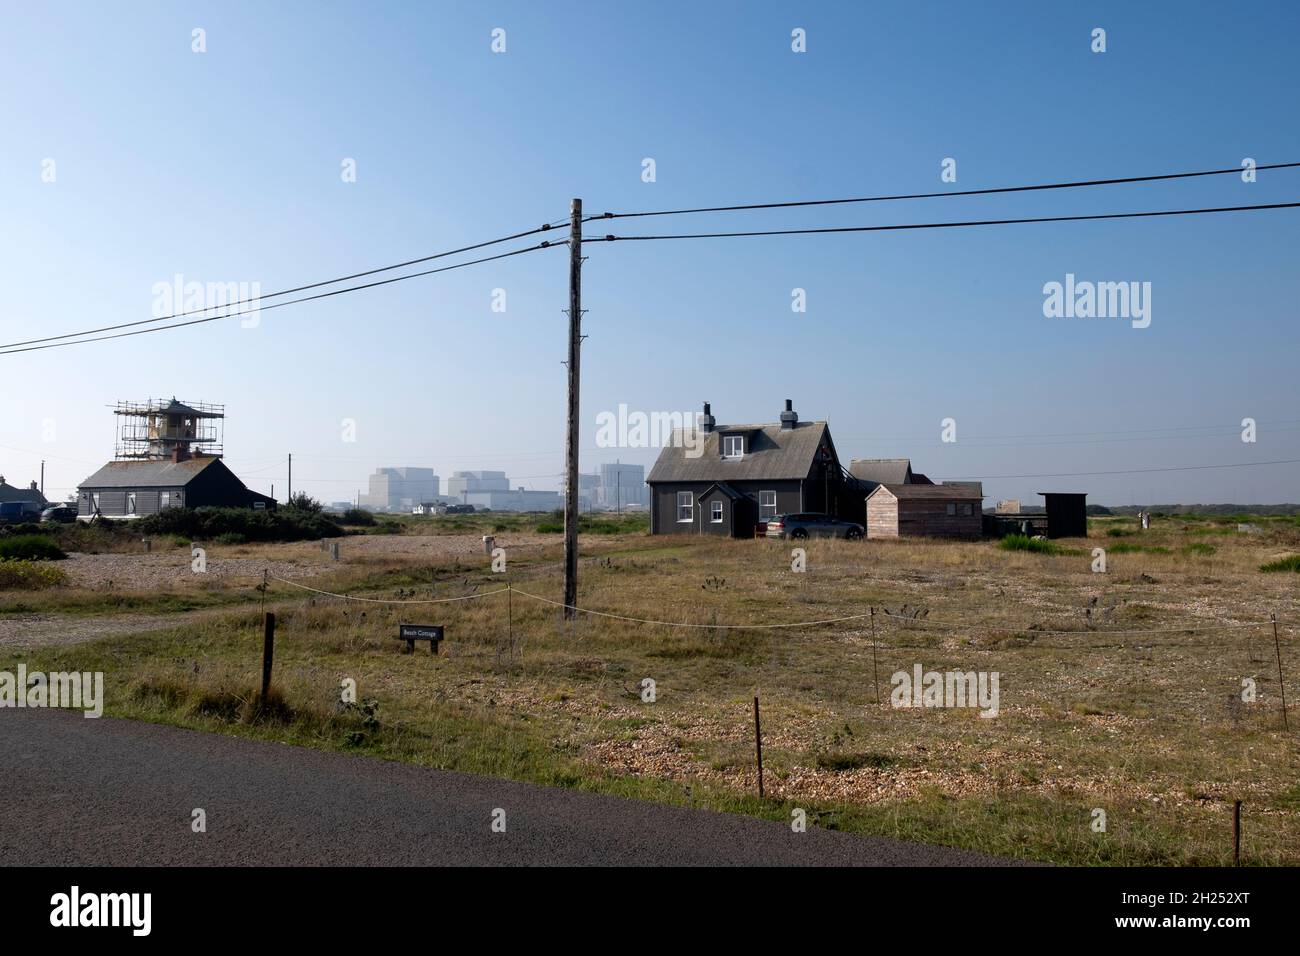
x,y
882,471
772,453
149,473
10,493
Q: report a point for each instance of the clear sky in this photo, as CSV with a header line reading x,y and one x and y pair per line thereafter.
x,y
226,166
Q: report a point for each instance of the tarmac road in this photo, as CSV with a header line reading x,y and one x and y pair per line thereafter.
x,y
80,791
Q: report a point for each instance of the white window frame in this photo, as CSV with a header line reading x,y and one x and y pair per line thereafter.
x,y
715,512
164,500
763,505
686,500
732,442
130,502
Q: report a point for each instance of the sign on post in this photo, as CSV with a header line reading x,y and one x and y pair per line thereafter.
x,y
420,632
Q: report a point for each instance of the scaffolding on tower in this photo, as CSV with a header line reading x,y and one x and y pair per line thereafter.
x,y
167,429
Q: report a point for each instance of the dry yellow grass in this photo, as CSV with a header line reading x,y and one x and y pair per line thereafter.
x,y
1119,691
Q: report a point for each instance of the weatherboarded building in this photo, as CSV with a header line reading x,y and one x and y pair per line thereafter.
x,y
129,489
726,479
948,510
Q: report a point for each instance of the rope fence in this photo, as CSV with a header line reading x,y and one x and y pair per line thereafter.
x,y
885,616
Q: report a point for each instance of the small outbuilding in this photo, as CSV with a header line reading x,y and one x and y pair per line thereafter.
x,y
947,510
1067,514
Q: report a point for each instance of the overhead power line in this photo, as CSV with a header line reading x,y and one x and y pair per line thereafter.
x,y
938,195
946,225
301,288
1138,471
266,308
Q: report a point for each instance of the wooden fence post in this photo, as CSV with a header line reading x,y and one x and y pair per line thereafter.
x,y
1236,833
268,652
1281,684
875,674
758,747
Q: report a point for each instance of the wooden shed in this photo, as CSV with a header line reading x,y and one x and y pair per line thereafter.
x,y
1067,514
947,510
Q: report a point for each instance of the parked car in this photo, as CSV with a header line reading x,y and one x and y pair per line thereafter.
x,y
63,514
813,525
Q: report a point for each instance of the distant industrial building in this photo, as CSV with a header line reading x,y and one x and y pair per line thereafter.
x,y
491,491
622,486
465,482
613,487
400,489
588,491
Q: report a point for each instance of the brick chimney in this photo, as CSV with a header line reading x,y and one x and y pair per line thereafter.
x,y
788,417
180,453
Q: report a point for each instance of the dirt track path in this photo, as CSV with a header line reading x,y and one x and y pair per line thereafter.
x,y
52,630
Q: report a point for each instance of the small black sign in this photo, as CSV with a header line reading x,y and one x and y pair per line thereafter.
x,y
420,632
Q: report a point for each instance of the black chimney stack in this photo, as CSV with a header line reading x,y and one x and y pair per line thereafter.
x,y
706,420
788,417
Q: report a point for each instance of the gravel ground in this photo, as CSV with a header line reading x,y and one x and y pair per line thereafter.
x,y
235,563
228,566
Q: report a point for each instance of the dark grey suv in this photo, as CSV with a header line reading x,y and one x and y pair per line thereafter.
x,y
813,525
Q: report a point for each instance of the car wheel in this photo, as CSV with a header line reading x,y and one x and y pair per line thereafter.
x,y
799,534
853,534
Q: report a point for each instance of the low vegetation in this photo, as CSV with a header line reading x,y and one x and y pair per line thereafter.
x,y
30,547
1290,563
1023,542
1119,691
20,575
239,525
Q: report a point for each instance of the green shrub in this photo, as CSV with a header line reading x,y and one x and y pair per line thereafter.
x,y
358,517
1022,542
1289,563
231,537
207,524
18,575
30,547
305,503
25,528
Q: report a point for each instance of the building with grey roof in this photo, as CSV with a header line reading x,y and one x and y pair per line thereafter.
x,y
728,478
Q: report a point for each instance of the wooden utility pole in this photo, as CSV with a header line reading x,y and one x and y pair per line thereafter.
x,y
290,477
571,436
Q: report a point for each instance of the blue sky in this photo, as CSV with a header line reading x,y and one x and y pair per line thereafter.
x,y
225,166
